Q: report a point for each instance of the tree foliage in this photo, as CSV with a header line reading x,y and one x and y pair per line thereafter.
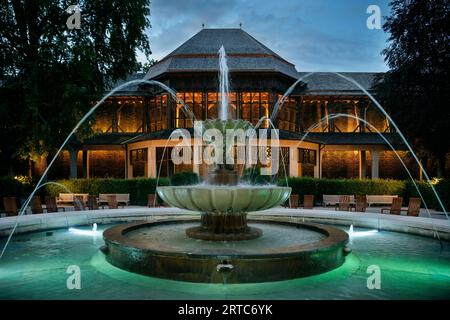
x,y
51,75
416,89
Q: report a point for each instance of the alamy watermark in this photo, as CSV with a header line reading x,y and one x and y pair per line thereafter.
x,y
374,280
74,20
217,146
74,279
374,20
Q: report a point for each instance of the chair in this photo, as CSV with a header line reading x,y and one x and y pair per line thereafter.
x,y
112,201
92,203
293,199
344,203
36,205
308,201
413,207
10,205
51,204
78,203
152,200
396,206
361,203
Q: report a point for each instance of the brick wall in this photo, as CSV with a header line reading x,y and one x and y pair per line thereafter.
x,y
61,167
109,163
391,167
340,164
345,164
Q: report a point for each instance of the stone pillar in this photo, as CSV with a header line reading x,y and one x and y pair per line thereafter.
x,y
125,150
362,164
86,171
375,163
320,164
317,170
129,168
73,153
293,162
151,163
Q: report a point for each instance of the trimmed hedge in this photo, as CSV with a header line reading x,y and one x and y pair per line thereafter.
x,y
137,188
141,187
443,189
405,189
184,178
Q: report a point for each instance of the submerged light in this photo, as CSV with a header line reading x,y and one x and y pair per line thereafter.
x,y
354,234
84,232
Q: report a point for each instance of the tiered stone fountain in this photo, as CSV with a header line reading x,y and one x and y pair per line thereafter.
x,y
224,247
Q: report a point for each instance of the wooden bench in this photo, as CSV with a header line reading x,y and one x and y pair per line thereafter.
x,y
121,198
333,199
380,199
69,198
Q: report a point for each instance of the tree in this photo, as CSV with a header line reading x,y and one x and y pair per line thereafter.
x,y
146,66
51,74
416,89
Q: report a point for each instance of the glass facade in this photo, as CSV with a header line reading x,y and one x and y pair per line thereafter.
x,y
158,112
298,114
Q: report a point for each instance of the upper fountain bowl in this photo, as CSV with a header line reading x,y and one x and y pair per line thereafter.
x,y
224,199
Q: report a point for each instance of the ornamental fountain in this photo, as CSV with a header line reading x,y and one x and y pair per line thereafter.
x,y
226,246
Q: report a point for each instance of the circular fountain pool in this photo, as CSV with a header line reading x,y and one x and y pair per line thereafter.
x,y
35,267
286,250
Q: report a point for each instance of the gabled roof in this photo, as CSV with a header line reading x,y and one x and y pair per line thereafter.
x,y
244,53
329,83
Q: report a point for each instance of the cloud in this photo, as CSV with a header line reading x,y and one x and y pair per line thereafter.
x,y
314,35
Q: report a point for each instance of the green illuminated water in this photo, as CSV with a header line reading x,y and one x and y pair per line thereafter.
x,y
35,267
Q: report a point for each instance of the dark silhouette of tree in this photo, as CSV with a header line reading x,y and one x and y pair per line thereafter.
x,y
416,89
51,75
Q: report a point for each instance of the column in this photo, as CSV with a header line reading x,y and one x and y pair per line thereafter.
x,y
125,150
320,164
362,164
86,169
73,154
151,163
293,162
375,163
317,166
129,166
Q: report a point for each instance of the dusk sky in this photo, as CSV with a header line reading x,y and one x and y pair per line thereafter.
x,y
315,35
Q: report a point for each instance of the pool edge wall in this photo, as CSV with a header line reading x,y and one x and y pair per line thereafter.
x,y
291,262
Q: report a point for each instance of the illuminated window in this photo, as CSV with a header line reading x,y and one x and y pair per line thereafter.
x,y
307,156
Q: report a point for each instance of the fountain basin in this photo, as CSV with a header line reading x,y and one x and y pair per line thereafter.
x,y
224,199
170,254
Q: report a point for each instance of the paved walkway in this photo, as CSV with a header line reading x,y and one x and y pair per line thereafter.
x,y
417,225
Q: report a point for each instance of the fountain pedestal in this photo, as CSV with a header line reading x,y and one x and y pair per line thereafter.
x,y
223,227
223,176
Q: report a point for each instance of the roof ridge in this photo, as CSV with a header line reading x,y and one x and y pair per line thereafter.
x,y
266,48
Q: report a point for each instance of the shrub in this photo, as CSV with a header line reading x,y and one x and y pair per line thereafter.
x,y
443,189
253,176
184,178
405,189
18,187
141,187
137,188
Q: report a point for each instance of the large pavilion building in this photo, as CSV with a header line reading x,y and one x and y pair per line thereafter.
x,y
132,127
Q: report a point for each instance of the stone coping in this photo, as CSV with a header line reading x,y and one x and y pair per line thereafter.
x,y
413,225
